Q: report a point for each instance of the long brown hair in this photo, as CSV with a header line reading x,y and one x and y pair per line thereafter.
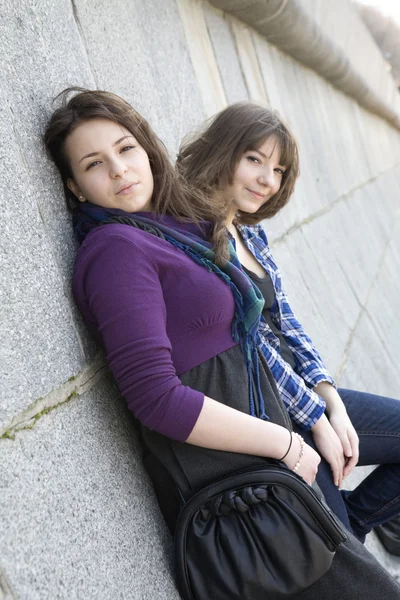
x,y
209,159
172,195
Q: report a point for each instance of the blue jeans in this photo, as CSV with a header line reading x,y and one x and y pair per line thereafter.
x,y
377,499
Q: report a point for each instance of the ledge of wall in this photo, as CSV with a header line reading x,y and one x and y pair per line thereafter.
x,y
289,27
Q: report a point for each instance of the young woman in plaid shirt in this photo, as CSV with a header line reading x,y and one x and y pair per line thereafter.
x,y
247,160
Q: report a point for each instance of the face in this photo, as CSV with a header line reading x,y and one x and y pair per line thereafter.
x,y
109,167
257,178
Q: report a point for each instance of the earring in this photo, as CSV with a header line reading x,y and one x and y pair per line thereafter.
x,y
80,197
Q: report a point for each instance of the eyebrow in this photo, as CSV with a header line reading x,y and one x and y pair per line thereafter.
x,y
114,144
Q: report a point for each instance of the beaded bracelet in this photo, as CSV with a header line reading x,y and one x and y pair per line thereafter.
x,y
288,450
297,465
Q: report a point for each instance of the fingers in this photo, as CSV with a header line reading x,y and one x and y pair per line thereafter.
x,y
337,473
346,444
351,463
349,441
338,465
353,460
355,444
347,456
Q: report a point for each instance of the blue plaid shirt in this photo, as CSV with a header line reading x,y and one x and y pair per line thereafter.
x,y
304,406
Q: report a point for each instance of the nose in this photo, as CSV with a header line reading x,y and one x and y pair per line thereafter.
x,y
267,177
118,168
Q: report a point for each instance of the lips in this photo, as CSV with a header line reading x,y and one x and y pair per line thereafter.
x,y
126,188
256,194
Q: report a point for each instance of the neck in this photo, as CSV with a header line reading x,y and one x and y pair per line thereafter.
x,y
229,220
232,229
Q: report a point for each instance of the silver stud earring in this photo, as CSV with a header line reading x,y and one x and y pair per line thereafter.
x,y
80,197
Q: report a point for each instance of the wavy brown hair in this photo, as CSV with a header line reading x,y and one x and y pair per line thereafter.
x,y
209,159
172,195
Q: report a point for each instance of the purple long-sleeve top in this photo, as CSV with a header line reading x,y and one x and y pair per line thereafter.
x,y
158,315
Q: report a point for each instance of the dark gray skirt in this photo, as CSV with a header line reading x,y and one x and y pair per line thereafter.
x,y
223,378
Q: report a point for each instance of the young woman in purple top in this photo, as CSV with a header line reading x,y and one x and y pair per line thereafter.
x,y
158,284
245,154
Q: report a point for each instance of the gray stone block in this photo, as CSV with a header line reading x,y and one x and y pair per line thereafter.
x,y
330,129
315,308
226,55
383,309
285,80
303,302
332,254
359,257
347,258
364,56
40,348
138,50
368,365
46,343
79,517
51,58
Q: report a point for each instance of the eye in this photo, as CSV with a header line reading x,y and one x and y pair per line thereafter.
x,y
254,159
92,164
125,148
280,170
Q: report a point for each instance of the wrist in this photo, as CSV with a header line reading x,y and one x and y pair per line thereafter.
x,y
280,442
293,455
302,448
336,407
288,448
330,396
320,424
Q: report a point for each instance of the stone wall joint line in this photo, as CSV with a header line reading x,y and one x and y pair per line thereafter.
x,y
327,209
83,39
364,305
75,386
5,588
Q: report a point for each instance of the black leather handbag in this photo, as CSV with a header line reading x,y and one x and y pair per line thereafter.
x,y
259,534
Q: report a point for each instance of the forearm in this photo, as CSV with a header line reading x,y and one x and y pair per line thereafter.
x,y
332,399
223,428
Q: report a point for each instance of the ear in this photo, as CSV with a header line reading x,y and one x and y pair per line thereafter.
x,y
75,190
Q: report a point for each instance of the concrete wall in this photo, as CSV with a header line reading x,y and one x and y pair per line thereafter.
x,y
78,516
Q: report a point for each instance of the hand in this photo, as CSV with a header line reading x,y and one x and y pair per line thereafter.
x,y
340,422
330,447
309,461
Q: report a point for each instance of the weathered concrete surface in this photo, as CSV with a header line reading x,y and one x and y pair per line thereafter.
x,y
352,250
202,56
340,147
82,520
296,32
232,76
249,61
375,343
138,50
365,57
39,322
